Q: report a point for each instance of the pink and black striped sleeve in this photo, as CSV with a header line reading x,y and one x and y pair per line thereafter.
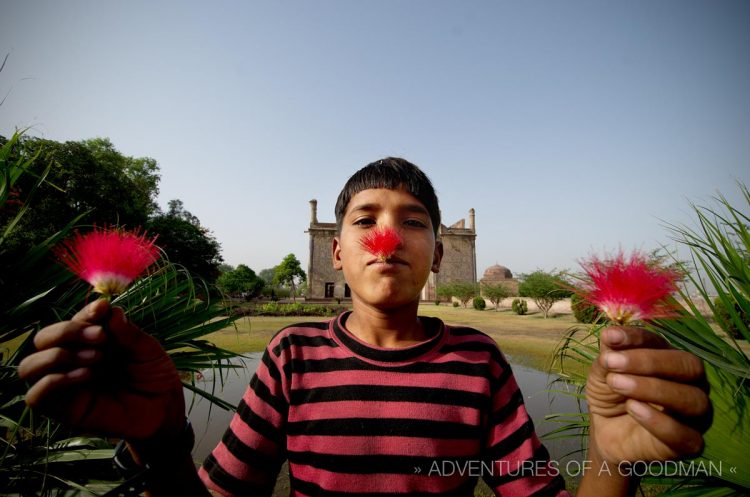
x,y
248,458
521,463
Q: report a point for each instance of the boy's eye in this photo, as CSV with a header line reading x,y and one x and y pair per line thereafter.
x,y
365,221
415,223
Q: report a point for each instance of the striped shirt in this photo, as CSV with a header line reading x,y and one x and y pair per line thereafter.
x,y
355,419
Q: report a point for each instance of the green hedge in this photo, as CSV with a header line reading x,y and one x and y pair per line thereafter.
x,y
293,309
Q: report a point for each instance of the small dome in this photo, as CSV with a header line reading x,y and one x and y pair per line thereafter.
x,y
497,272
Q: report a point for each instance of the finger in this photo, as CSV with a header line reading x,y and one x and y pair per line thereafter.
x,y
679,398
56,360
678,438
69,333
631,337
50,385
672,364
81,328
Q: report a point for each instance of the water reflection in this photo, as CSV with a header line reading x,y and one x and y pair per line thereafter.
x,y
209,429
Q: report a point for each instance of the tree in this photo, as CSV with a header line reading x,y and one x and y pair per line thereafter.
x,y
544,289
241,281
186,242
140,173
445,291
225,268
496,293
87,178
267,275
177,209
463,291
290,273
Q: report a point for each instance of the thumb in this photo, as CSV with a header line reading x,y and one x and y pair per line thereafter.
x,y
612,337
94,312
127,335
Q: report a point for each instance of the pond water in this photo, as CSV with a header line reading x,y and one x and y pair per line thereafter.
x,y
210,422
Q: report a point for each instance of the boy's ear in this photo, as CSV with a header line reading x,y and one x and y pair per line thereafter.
x,y
336,252
437,256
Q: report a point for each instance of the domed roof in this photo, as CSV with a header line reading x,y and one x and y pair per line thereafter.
x,y
497,272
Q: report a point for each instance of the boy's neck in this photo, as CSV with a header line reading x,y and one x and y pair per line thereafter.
x,y
387,328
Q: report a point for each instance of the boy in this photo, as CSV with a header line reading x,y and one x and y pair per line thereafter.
x,y
367,403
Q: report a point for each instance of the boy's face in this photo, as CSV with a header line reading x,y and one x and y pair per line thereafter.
x,y
398,281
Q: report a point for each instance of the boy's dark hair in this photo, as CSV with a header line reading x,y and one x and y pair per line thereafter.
x,y
391,173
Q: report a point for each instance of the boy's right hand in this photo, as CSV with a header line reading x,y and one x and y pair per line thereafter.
x,y
100,373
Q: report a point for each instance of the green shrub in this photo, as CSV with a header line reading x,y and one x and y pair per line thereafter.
x,y
520,306
275,293
437,301
583,310
479,303
293,309
725,320
455,304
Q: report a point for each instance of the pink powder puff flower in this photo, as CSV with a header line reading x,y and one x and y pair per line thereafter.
x,y
630,290
381,242
108,259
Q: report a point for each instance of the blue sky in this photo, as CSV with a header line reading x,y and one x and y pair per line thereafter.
x,y
571,127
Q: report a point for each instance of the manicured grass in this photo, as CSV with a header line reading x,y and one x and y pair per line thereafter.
x,y
252,333
528,340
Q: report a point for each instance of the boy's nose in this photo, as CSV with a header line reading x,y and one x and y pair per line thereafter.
x,y
390,222
383,242
394,228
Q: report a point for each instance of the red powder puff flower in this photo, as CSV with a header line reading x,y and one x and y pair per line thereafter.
x,y
109,259
629,290
381,242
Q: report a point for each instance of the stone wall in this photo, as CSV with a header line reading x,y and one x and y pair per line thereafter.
x,y
459,259
320,267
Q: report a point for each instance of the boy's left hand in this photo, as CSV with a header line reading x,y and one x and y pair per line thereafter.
x,y
647,401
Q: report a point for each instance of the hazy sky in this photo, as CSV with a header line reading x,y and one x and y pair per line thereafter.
x,y
570,127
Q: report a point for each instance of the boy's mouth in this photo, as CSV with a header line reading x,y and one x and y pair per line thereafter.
x,y
390,261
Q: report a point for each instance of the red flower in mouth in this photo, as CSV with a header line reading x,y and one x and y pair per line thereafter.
x,y
628,290
381,242
109,259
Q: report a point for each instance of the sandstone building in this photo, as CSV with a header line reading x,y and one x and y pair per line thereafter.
x,y
500,274
459,260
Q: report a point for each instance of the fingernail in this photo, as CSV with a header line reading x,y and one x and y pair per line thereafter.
x,y
638,409
77,373
92,332
615,360
621,382
615,336
86,354
95,307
